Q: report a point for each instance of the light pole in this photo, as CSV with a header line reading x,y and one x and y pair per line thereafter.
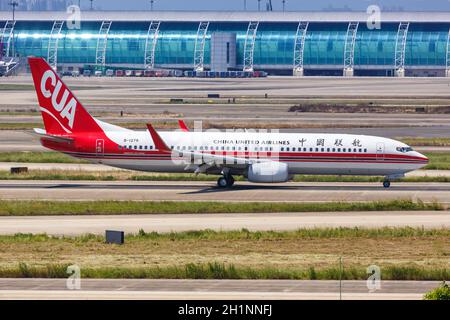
x,y
151,4
284,5
259,5
13,5
245,5
92,5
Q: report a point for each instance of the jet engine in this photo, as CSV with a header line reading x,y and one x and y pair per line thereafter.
x,y
270,171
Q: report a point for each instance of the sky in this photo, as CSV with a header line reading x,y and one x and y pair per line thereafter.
x,y
291,5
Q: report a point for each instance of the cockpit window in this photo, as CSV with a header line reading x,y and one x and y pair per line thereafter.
x,y
404,149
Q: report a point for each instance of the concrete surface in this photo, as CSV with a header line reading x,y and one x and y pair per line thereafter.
x,y
77,225
210,289
207,191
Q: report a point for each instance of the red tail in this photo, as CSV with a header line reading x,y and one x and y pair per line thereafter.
x,y
61,111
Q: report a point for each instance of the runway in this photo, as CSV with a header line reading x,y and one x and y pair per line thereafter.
x,y
210,289
78,225
207,191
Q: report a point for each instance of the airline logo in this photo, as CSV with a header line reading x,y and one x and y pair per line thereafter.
x,y
51,88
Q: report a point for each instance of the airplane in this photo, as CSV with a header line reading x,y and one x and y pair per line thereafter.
x,y
267,157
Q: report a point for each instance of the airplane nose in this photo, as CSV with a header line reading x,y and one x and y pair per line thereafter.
x,y
424,158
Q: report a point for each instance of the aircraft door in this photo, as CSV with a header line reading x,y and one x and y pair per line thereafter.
x,y
99,146
380,151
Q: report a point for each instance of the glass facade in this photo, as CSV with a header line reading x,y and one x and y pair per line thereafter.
x,y
324,47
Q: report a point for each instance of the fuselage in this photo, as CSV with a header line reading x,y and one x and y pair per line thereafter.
x,y
304,153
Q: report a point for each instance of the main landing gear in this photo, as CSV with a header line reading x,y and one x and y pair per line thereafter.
x,y
225,181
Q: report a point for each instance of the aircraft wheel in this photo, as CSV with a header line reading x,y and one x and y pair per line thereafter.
x,y
222,182
386,184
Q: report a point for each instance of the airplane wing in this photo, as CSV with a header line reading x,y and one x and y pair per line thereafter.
x,y
203,158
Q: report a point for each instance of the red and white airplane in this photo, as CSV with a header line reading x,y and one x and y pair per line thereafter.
x,y
259,157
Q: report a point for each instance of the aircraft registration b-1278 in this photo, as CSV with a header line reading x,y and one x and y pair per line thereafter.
x,y
260,157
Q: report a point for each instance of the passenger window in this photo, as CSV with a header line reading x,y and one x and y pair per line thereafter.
x,y
328,149
354,150
317,149
339,150
322,149
135,147
310,149
344,150
151,147
365,150
334,149
287,149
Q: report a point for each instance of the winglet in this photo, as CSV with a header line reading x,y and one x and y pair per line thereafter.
x,y
159,143
183,126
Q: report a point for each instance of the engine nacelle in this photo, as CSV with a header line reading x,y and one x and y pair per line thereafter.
x,y
270,171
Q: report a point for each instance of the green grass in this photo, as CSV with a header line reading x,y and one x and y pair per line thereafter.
x,y
243,234
38,157
438,160
440,293
218,270
80,175
19,87
351,242
26,208
435,142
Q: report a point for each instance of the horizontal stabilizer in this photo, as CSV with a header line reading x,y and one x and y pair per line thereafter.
x,y
43,134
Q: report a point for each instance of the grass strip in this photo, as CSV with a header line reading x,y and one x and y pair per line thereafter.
x,y
38,157
35,207
243,234
81,175
217,270
426,142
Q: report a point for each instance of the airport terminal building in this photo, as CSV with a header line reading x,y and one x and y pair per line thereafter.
x,y
283,43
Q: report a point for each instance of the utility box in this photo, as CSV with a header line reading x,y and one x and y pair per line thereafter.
x,y
115,237
17,170
223,51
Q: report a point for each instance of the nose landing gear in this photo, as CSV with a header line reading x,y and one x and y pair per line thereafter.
x,y
386,183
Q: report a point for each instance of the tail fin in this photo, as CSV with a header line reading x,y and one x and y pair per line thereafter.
x,y
61,111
